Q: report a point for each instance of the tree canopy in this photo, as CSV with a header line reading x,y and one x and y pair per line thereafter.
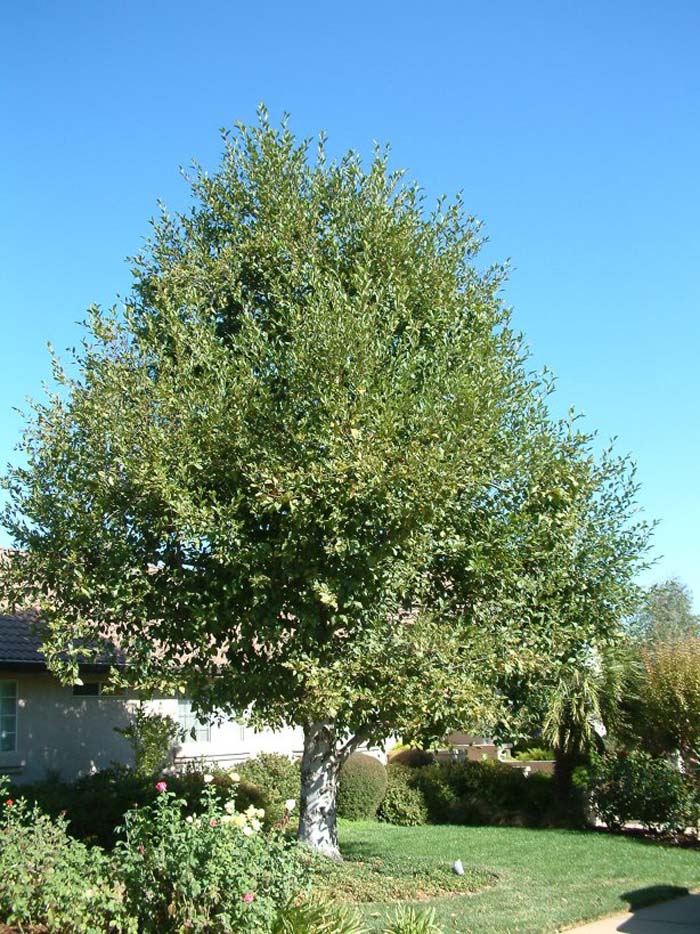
x,y
306,473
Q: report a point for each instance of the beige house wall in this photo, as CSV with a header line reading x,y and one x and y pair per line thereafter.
x,y
59,733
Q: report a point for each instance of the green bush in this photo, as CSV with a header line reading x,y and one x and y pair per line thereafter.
x,y
534,754
152,737
214,870
267,782
409,921
94,805
637,787
362,785
49,879
413,758
404,803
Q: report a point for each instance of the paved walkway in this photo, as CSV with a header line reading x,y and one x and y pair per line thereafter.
x,y
679,916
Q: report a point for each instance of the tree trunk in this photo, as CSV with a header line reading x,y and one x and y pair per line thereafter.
x,y
320,766
564,765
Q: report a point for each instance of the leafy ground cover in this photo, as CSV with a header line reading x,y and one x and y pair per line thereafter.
x,y
520,881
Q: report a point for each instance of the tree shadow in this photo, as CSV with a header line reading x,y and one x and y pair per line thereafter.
x,y
652,895
660,908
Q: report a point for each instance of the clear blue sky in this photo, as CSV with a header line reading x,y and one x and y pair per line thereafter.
x,y
573,129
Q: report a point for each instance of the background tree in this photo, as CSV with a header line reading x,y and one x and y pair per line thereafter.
x,y
294,476
666,614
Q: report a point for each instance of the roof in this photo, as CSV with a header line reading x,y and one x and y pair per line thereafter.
x,y
21,645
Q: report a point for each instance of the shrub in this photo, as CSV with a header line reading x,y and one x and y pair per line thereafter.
x,y
534,754
319,918
212,871
152,737
267,782
637,787
413,758
49,879
404,803
362,785
94,805
409,921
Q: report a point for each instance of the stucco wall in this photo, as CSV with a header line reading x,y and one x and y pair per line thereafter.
x,y
71,736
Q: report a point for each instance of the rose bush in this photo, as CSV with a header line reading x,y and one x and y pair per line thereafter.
x,y
215,870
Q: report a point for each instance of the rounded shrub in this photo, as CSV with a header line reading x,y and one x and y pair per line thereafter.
x,y
638,787
267,782
404,802
363,783
413,758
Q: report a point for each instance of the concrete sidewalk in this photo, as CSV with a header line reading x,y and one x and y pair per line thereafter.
x,y
678,916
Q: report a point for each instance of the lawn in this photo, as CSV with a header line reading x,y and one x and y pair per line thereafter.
x,y
527,881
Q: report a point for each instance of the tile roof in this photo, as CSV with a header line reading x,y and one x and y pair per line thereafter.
x,y
20,646
20,643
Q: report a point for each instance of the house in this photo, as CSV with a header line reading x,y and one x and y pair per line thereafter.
x,y
47,728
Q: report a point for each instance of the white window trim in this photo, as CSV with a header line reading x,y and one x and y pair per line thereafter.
x,y
5,752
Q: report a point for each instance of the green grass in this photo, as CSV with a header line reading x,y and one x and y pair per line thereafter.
x,y
545,880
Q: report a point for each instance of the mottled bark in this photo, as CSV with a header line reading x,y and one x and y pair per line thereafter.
x,y
320,766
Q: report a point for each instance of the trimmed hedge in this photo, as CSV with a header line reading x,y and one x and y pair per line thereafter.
x,y
404,803
362,786
413,758
476,793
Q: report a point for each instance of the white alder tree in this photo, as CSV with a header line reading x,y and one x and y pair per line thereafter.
x,y
266,477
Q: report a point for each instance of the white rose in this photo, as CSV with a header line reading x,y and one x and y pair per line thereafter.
x,y
208,779
290,804
248,831
234,776
230,807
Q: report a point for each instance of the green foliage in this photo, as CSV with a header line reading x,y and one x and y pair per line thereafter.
x,y
363,784
48,878
327,918
152,737
413,758
534,754
665,615
638,787
403,804
319,918
211,871
475,793
94,804
664,701
311,445
270,780
410,921
399,877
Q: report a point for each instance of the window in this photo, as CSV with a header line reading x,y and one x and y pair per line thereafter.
x,y
189,724
96,689
87,689
8,716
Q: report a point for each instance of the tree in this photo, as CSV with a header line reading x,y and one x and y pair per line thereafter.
x,y
579,547
293,476
666,614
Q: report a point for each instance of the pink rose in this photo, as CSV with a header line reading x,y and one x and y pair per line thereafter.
x,y
212,822
248,897
161,787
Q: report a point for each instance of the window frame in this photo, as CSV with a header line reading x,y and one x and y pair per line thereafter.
x,y
100,693
14,715
187,721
